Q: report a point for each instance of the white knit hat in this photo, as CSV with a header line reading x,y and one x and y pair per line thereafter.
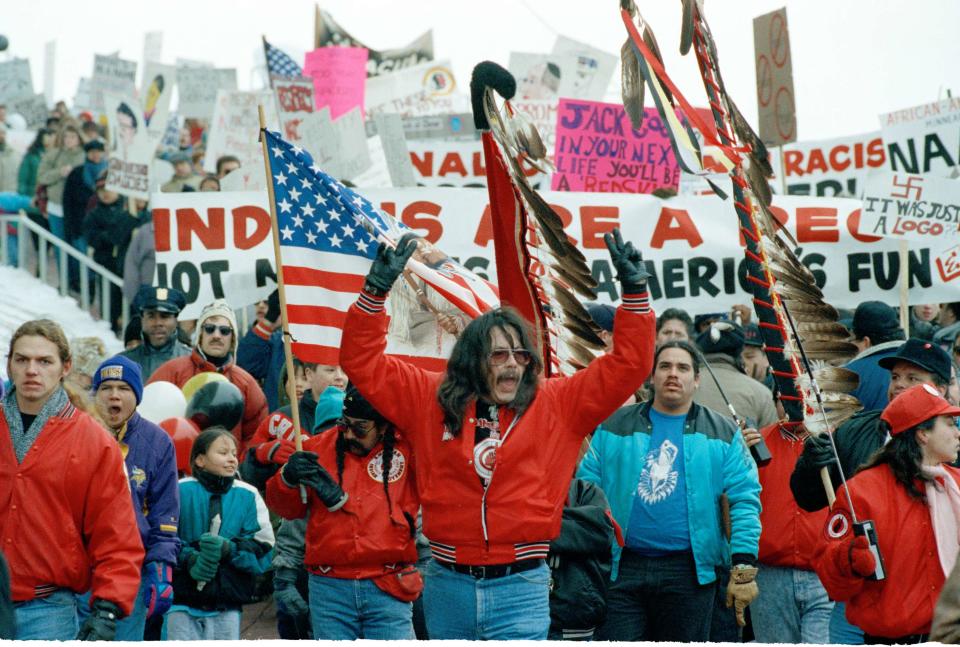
x,y
219,308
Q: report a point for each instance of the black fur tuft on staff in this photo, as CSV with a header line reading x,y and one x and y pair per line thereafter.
x,y
489,74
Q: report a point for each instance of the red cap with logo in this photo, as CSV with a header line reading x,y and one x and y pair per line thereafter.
x,y
915,405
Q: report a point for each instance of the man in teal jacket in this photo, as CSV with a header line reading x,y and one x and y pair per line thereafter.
x,y
674,472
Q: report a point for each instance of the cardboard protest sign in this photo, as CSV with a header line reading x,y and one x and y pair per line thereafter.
x,y
924,208
114,75
328,33
923,139
214,245
834,167
597,150
775,98
197,88
338,77
132,148
294,99
351,147
441,126
49,69
690,245
235,128
321,140
15,79
592,69
152,48
156,92
541,76
426,89
395,151
543,115
33,109
83,97
377,175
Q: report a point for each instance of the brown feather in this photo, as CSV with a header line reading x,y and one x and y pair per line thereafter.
x,y
631,85
651,42
792,293
831,378
831,328
581,285
686,26
758,184
551,227
812,311
829,350
584,335
573,309
579,353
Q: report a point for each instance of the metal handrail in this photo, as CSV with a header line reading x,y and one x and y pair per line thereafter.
x,y
63,249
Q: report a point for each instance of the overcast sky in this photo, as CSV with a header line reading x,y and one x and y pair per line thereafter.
x,y
852,59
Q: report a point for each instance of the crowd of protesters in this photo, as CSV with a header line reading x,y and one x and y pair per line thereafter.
x,y
621,503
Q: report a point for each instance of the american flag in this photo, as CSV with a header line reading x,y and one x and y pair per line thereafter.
x,y
279,62
328,239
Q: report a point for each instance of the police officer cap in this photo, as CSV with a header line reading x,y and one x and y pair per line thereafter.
x,y
160,299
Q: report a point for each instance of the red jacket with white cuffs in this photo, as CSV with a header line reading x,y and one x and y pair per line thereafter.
x,y
364,538
520,511
902,604
790,534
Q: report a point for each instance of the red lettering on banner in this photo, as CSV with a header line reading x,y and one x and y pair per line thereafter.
x,y
295,98
161,229
595,222
412,218
853,226
389,207
211,234
876,153
817,225
479,170
241,217
791,162
485,229
424,166
452,163
835,161
816,162
675,224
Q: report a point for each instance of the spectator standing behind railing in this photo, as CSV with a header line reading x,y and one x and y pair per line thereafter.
x,y
55,166
9,163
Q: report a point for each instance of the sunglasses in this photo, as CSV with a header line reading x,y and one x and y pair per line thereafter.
x,y
226,331
360,430
501,355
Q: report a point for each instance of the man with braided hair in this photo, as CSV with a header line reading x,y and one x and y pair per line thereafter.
x,y
362,506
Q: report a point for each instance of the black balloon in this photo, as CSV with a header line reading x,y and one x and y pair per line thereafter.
x,y
216,403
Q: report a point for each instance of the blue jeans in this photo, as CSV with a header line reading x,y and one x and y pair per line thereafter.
x,y
793,607
514,607
660,599
841,631
130,629
51,618
180,625
350,609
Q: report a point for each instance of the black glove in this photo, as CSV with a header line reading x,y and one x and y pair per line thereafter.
x,y
389,264
817,452
273,307
101,624
327,489
286,594
300,467
631,272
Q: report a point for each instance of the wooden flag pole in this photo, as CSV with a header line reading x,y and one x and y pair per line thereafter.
x,y
281,291
904,252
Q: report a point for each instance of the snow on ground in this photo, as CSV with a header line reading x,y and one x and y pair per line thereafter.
x,y
23,297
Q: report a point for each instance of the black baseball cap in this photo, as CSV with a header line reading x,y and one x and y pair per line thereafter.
x,y
927,355
751,335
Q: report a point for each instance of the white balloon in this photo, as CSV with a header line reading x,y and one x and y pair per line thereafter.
x,y
162,400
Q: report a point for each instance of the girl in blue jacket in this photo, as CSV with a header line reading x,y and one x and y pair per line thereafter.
x,y
227,541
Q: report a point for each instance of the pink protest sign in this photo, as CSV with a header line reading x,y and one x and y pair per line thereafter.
x,y
598,151
339,75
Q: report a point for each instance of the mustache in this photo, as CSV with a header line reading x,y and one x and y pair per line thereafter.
x,y
511,375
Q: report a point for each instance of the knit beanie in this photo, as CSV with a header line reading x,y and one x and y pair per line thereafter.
x,y
219,308
123,369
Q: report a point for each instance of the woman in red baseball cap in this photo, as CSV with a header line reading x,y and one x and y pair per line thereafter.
x,y
912,496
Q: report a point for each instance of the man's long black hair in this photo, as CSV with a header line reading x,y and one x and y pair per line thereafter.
x,y
468,367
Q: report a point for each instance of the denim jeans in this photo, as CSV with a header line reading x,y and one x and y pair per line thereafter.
x,y
130,629
793,607
351,609
180,625
841,631
51,618
658,598
459,606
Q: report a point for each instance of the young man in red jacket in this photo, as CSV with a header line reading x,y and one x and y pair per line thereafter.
x,y
361,522
495,444
66,517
